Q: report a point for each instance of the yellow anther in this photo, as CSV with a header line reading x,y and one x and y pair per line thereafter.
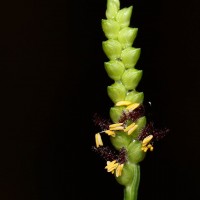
x,y
146,145
109,132
119,170
123,103
133,106
150,147
108,162
98,140
111,166
132,129
115,125
144,149
118,128
147,140
129,127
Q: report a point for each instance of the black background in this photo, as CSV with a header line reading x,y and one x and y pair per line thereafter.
x,y
52,80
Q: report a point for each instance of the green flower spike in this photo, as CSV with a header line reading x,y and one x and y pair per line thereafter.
x,y
130,134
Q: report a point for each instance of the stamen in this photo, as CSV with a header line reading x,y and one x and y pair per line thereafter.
x,y
150,147
129,127
109,132
111,169
111,165
132,129
98,140
146,145
144,149
119,170
147,140
115,125
118,128
123,103
132,106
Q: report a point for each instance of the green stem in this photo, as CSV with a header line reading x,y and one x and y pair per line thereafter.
x,y
131,191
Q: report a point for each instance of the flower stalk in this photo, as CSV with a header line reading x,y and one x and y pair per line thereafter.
x,y
131,191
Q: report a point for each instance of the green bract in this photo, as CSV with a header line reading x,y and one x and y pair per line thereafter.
x,y
123,16
112,8
117,92
130,57
135,154
131,78
111,28
126,179
127,36
115,69
141,122
120,140
112,49
115,113
135,97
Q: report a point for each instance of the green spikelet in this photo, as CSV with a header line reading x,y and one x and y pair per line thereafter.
x,y
130,134
120,67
